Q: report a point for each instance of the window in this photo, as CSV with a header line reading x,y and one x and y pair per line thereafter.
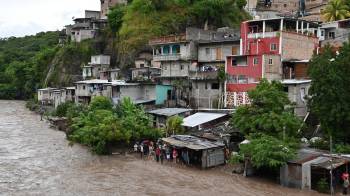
x,y
331,35
286,89
142,65
256,61
166,50
206,85
215,86
234,62
273,47
207,51
218,54
234,50
322,33
181,67
232,79
176,49
270,61
284,5
242,79
83,87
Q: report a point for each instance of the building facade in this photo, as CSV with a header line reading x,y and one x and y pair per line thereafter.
x,y
106,5
269,49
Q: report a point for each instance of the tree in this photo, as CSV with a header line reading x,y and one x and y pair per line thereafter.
x,y
269,112
336,10
100,103
268,151
330,91
222,77
174,125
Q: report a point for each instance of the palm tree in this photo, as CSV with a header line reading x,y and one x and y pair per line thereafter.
x,y
336,10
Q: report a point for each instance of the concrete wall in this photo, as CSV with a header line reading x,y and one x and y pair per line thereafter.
x,y
100,59
226,50
83,34
295,95
143,62
203,95
297,46
272,71
107,4
162,93
92,14
176,68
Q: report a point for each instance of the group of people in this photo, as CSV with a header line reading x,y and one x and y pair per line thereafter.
x,y
159,152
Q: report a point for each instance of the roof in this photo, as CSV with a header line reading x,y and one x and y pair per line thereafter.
x,y
297,61
279,18
201,118
295,81
47,89
94,81
305,155
169,111
327,162
70,88
192,142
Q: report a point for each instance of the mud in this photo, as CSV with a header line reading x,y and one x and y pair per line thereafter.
x,y
37,160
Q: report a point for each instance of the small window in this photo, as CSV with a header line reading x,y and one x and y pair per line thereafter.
x,y
322,33
181,67
215,86
142,65
206,85
234,50
331,35
83,87
232,79
284,5
273,47
286,89
270,61
234,62
256,61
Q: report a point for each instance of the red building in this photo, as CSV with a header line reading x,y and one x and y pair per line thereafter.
x,y
275,49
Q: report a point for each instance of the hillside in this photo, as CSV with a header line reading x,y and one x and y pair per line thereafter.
x,y
33,62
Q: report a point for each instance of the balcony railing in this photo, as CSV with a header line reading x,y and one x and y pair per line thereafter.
x,y
168,39
261,34
167,57
203,75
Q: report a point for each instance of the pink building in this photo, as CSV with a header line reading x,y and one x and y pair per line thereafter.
x,y
275,49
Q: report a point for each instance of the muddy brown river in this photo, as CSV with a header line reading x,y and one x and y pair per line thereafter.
x,y
37,160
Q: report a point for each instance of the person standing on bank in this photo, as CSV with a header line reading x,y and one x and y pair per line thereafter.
x,y
157,153
141,150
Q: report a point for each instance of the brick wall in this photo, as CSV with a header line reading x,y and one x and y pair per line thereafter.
x,y
298,46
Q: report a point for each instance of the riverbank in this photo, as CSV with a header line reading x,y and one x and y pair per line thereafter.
x,y
37,160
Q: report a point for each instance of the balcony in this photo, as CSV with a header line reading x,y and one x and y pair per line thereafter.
x,y
203,75
261,35
168,39
167,57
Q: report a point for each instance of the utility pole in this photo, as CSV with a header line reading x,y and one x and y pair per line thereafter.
x,y
331,171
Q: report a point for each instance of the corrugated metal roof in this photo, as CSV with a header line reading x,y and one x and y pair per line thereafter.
x,y
295,81
328,162
201,118
169,111
191,142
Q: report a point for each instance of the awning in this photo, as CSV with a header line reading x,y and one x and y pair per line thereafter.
x,y
327,163
201,118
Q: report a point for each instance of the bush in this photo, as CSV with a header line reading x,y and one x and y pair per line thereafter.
x,y
32,105
342,148
61,110
100,103
322,186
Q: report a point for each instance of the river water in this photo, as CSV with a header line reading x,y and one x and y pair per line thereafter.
x,y
37,160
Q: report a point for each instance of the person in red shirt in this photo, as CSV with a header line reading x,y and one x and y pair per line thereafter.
x,y
175,155
157,153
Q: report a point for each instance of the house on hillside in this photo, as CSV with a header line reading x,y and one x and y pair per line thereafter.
x,y
270,48
87,89
46,96
98,63
106,5
87,27
145,69
334,33
206,87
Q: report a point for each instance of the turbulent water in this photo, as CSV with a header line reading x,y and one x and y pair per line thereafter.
x,y
37,160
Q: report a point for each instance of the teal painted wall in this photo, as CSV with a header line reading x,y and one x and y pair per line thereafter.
x,y
162,93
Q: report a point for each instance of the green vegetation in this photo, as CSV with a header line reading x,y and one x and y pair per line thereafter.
x,y
336,10
23,63
269,124
100,125
322,186
142,20
330,92
174,125
268,151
